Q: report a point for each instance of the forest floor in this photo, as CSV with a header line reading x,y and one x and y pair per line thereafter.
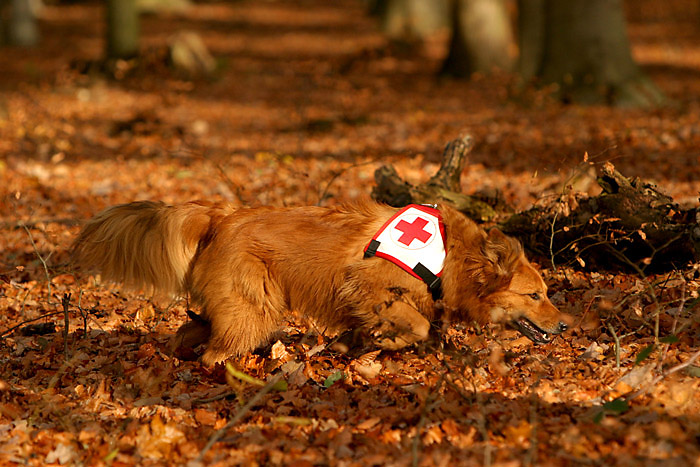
x,y
309,99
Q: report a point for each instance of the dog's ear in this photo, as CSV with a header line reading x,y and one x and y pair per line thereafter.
x,y
501,253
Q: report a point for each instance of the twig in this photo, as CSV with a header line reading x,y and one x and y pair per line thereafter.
x,y
281,386
65,301
24,300
240,414
585,312
235,189
83,314
223,395
232,186
617,345
69,221
675,321
43,262
337,174
551,242
531,454
453,385
429,405
10,330
481,425
663,375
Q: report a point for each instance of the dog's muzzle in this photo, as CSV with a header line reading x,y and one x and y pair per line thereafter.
x,y
535,333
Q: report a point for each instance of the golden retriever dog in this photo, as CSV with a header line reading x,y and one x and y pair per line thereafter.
x,y
248,267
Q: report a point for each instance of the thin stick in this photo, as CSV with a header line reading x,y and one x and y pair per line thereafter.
x,y
235,189
10,330
337,174
617,345
240,414
665,374
531,454
481,426
61,220
66,321
551,242
430,404
675,321
46,267
223,395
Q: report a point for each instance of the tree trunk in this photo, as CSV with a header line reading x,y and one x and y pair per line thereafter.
x,y
122,29
586,51
22,28
481,38
412,20
531,15
3,22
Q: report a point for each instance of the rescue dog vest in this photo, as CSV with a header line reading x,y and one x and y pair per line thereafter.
x,y
414,240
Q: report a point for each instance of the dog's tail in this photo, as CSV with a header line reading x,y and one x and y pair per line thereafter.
x,y
146,245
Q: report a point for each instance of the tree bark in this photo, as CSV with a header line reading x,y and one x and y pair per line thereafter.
x,y
411,20
3,22
122,29
22,28
531,29
585,51
481,38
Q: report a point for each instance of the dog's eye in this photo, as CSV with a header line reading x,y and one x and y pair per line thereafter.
x,y
535,296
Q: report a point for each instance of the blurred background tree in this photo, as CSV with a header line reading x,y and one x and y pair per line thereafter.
x,y
582,46
411,20
122,39
18,22
482,38
579,45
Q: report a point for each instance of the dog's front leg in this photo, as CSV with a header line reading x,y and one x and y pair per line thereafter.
x,y
400,324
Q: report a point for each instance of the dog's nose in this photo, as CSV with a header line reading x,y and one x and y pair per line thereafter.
x,y
562,326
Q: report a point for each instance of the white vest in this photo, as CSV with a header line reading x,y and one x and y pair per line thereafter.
x,y
413,239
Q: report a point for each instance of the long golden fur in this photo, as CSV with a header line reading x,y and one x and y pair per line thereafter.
x,y
248,267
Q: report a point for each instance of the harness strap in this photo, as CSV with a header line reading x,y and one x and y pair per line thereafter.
x,y
434,282
372,248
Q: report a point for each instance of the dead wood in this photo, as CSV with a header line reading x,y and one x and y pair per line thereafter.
x,y
631,225
444,186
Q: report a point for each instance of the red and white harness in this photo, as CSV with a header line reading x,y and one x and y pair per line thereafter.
x,y
414,240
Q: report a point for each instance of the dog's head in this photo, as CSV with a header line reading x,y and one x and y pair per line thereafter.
x,y
491,280
521,299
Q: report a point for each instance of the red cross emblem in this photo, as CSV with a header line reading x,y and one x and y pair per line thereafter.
x,y
413,231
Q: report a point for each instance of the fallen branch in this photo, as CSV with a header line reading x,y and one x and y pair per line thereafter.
x,y
12,329
442,187
631,225
240,414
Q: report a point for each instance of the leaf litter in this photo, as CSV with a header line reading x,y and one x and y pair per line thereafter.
x,y
307,120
